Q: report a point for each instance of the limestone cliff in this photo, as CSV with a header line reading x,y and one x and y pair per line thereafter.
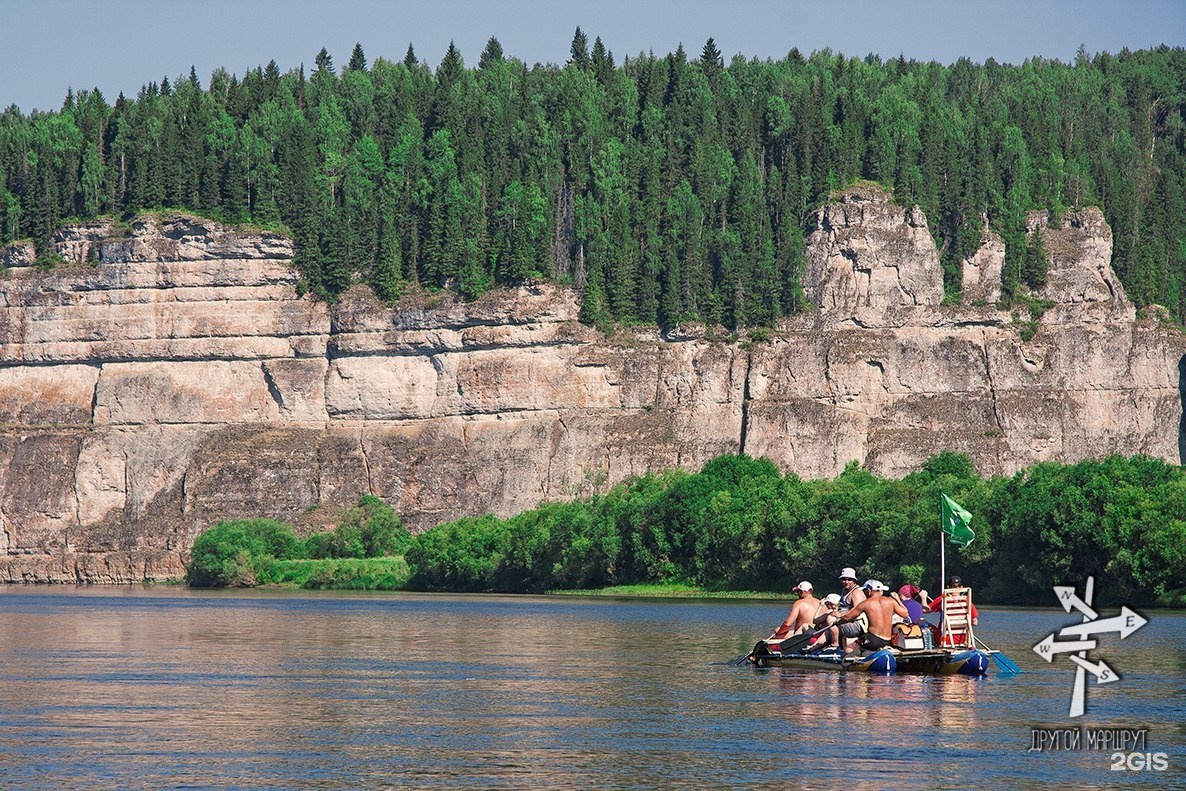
x,y
171,376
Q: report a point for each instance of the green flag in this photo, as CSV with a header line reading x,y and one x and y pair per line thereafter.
x,y
955,522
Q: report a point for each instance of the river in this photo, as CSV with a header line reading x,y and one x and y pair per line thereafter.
x,y
166,687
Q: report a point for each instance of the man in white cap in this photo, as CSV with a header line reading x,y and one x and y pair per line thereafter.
x,y
851,597
826,621
880,611
802,614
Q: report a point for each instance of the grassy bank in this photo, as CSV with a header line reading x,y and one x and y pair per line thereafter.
x,y
668,591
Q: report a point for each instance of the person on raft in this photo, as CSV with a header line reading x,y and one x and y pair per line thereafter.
x,y
880,610
827,635
851,597
803,613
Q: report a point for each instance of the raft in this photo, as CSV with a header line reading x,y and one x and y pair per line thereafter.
x,y
886,661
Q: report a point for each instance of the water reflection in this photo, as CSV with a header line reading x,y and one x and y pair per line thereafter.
x,y
162,687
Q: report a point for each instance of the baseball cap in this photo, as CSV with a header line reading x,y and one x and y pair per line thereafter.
x,y
803,586
874,585
832,598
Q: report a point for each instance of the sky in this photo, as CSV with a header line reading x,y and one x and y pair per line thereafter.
x,y
48,46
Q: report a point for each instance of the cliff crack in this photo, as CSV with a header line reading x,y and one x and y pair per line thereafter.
x,y
745,399
828,375
95,392
5,536
366,462
273,388
992,387
329,370
128,514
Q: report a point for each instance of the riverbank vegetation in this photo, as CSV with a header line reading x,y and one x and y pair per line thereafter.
x,y
365,551
741,525
665,187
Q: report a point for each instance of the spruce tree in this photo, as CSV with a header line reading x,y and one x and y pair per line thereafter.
x,y
358,61
1036,265
580,50
710,57
323,61
491,55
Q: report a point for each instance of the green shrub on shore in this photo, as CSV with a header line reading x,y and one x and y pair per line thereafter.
x,y
363,552
386,573
372,529
235,553
740,524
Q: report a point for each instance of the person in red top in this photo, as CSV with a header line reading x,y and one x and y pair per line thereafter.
x,y
936,604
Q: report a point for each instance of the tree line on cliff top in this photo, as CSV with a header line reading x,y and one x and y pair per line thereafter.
x,y
739,524
667,188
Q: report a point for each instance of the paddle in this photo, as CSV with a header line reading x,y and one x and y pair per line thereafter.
x,y
743,658
787,645
1003,663
798,641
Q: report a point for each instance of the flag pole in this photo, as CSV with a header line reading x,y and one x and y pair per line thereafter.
x,y
942,559
942,580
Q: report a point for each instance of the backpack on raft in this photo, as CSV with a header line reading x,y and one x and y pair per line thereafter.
x,y
907,637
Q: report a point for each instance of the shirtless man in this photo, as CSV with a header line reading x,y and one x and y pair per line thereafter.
x,y
880,610
802,615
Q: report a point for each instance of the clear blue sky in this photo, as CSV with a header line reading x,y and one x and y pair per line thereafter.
x,y
47,46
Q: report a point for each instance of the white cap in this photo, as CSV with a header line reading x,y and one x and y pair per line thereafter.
x,y
874,585
832,598
847,573
802,586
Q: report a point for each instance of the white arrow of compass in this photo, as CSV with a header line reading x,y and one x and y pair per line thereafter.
x,y
1126,623
1077,697
1103,674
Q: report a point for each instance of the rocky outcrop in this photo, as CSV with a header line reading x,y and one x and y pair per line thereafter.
x,y
982,269
170,376
868,254
1080,282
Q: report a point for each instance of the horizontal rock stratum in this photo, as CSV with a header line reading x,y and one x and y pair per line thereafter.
x,y
170,376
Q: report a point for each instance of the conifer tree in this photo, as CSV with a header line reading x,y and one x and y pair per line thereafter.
x,y
1036,264
579,50
491,55
358,61
323,61
710,57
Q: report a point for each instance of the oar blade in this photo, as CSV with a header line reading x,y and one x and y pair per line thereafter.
x,y
1006,665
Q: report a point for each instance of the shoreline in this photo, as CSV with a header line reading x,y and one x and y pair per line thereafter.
x,y
625,592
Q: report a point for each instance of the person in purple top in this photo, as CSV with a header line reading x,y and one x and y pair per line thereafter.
x,y
908,595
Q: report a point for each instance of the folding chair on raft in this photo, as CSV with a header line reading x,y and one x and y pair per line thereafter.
x,y
956,626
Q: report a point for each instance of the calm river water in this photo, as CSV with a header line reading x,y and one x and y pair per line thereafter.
x,y
164,687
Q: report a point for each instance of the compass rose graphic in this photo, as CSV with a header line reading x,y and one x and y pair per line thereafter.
x,y
1125,623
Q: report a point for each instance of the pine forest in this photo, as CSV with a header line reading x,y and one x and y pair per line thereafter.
x,y
667,188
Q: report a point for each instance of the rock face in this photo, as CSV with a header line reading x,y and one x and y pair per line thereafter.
x,y
171,376
867,254
982,270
